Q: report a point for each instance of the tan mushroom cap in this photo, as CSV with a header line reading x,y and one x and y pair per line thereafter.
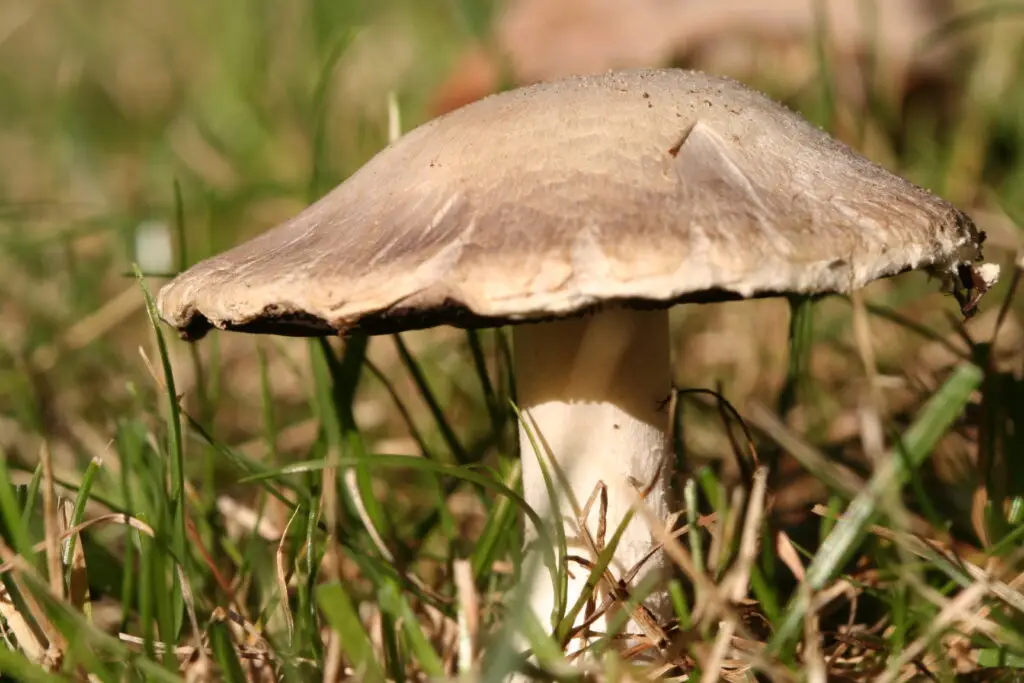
x,y
649,187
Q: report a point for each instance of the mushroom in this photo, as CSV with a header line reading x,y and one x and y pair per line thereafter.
x,y
579,212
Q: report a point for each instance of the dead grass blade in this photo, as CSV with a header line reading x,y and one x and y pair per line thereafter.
x,y
813,658
468,615
50,656
51,525
284,608
78,583
25,636
934,552
958,610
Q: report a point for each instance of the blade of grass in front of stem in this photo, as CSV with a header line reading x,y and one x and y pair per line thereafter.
x,y
604,559
624,613
343,618
554,557
934,419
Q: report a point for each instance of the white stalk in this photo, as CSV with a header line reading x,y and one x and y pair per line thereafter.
x,y
594,392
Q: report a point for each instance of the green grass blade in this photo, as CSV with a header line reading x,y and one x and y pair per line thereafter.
x,y
603,561
343,618
554,557
249,466
224,654
394,603
933,421
19,668
28,509
500,525
12,514
801,340
455,446
175,448
78,513
476,351
399,462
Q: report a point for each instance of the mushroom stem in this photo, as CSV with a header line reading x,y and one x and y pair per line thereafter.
x,y
593,391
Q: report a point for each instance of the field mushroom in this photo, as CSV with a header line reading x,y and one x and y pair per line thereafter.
x,y
579,211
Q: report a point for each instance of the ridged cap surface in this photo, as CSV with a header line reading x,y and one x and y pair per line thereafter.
x,y
647,187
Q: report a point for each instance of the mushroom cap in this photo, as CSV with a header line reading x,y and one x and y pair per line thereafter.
x,y
645,187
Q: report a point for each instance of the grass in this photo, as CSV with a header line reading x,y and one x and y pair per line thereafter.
x,y
280,509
